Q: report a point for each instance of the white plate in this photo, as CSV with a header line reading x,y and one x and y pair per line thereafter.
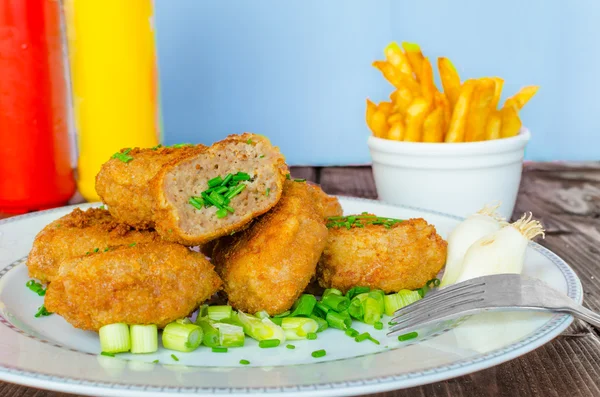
x,y
49,353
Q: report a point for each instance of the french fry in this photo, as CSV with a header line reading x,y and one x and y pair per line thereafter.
x,y
433,126
458,122
511,123
415,115
428,88
522,97
395,56
371,109
479,110
441,100
396,131
385,107
494,124
388,72
450,80
415,57
379,124
402,99
394,117
497,92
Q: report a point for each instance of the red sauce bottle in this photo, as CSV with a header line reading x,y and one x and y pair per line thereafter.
x,y
35,166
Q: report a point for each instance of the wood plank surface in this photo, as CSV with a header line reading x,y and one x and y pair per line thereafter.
x,y
566,197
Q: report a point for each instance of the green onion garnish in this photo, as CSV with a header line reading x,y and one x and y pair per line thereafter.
x,y
182,337
298,327
219,312
304,306
338,320
222,213
362,337
284,314
115,338
288,177
332,291
405,337
96,249
352,292
219,350
42,312
156,147
36,287
249,142
123,156
155,362
144,338
267,192
378,325
214,182
360,221
373,310
230,335
268,343
106,249
261,156
311,336
107,354
174,357
321,309
299,180
244,362
319,353
321,323
291,347
180,145
335,302
211,334
197,202
351,332
260,329
404,297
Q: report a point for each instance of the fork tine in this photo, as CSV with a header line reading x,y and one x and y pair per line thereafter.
x,y
435,305
446,315
437,298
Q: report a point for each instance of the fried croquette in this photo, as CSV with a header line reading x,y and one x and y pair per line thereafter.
x,y
404,255
125,185
178,220
329,205
152,283
268,265
77,233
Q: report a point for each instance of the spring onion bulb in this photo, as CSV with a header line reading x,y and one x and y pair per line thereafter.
x,y
182,337
321,323
473,228
114,338
404,297
297,328
502,251
144,338
219,312
373,310
230,335
262,314
260,329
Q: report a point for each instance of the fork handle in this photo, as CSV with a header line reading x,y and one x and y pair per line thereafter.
x,y
584,314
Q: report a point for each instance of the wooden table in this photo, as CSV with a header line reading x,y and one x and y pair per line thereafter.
x,y
566,198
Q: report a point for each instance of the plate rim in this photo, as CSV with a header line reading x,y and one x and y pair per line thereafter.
x,y
539,337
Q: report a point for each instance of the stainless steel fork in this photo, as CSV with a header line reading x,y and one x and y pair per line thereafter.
x,y
501,292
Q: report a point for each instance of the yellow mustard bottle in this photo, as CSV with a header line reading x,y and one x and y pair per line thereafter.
x,y
113,70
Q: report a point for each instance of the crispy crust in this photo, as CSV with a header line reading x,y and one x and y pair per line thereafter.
x,y
328,205
146,284
406,255
77,233
125,188
268,265
169,217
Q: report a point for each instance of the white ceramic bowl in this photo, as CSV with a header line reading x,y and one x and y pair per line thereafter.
x,y
456,178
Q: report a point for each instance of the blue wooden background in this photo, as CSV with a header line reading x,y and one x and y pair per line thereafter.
x,y
299,71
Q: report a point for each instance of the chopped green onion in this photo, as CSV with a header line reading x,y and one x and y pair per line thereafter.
x,y
220,350
405,337
262,314
331,291
203,311
299,180
174,357
288,177
284,314
267,192
269,343
277,320
262,156
196,202
219,312
237,190
241,176
404,297
319,353
226,180
373,311
210,336
180,145
260,329
311,336
291,347
298,327
182,337
304,305
373,340
244,362
217,198
184,320
230,335
222,213
124,157
321,310
338,320
356,309
339,303
378,325
229,209
249,142
114,338
378,295
362,337
42,312
156,147
351,332
210,200
107,354
155,362
96,249
352,292
214,182
320,322
36,287
144,338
